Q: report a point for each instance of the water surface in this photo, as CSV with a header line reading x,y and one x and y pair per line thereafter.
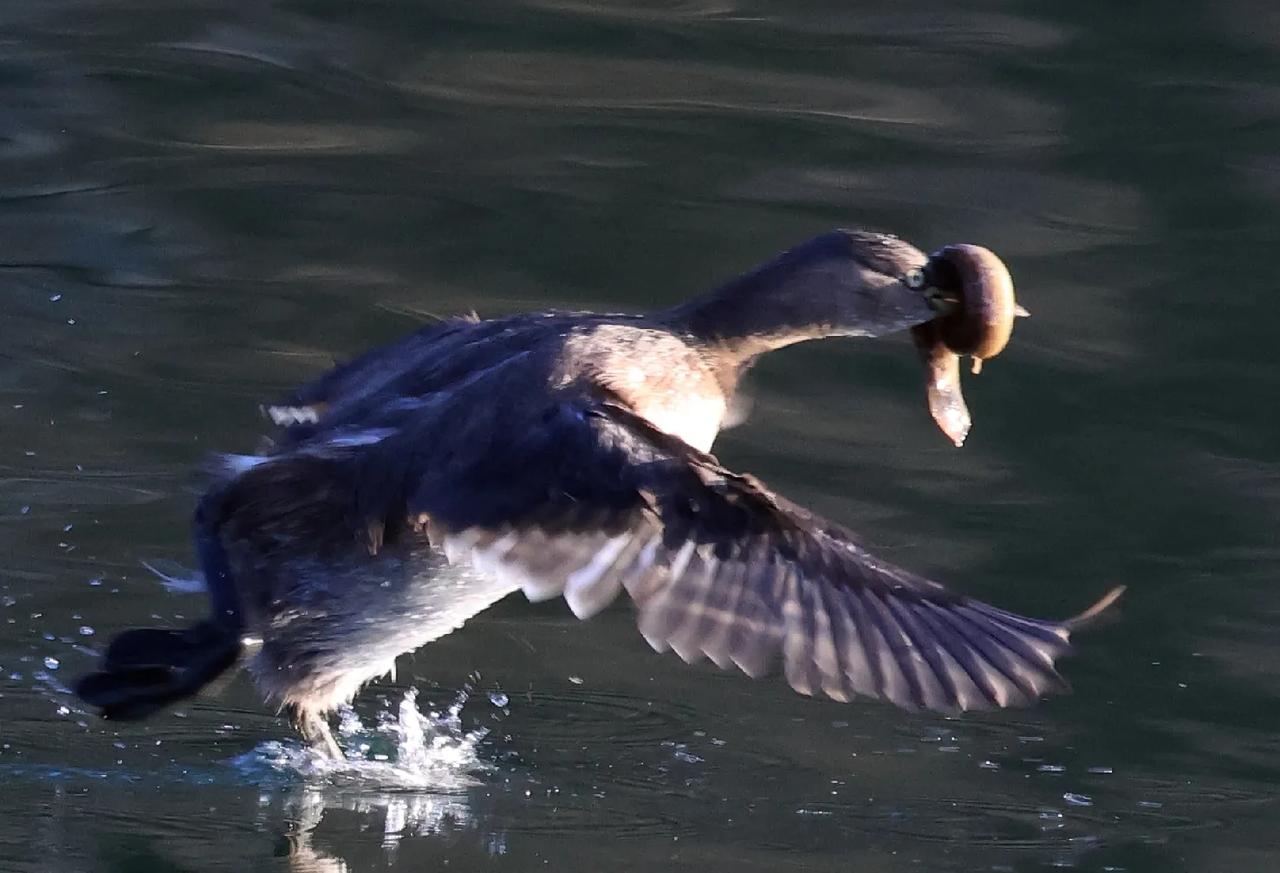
x,y
202,205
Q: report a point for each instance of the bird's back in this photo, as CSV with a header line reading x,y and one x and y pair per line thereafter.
x,y
637,361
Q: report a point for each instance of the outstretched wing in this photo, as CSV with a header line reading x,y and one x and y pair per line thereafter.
x,y
581,498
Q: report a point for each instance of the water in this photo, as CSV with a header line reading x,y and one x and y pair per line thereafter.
x,y
202,205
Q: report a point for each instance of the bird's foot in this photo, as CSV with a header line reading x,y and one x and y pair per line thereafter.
x,y
315,731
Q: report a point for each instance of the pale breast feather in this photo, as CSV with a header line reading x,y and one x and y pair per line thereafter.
x,y
655,374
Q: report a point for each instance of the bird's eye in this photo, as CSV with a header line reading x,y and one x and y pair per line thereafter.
x,y
914,279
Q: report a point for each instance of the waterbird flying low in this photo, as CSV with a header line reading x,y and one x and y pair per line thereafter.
x,y
567,455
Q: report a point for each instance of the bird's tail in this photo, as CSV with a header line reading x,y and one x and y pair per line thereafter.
x,y
146,669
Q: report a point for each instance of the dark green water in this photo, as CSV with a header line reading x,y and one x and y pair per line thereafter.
x,y
201,205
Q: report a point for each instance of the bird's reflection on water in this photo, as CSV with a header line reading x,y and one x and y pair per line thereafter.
x,y
381,818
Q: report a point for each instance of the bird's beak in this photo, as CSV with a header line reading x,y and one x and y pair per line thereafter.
x,y
887,304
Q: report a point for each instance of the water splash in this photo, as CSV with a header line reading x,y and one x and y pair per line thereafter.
x,y
408,773
403,750
175,577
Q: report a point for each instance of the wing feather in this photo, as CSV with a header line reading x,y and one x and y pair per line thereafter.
x,y
582,498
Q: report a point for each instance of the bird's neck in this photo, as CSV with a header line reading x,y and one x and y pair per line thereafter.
x,y
795,297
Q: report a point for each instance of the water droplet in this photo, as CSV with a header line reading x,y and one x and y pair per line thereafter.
x,y
86,631
681,753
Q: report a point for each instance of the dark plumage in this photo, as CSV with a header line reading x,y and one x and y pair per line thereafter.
x,y
566,454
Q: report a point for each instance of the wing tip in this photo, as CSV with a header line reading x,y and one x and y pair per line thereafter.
x,y
1099,611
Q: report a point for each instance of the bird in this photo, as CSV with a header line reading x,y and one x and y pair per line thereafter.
x,y
569,455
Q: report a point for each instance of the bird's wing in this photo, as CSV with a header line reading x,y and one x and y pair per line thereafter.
x,y
385,380
579,497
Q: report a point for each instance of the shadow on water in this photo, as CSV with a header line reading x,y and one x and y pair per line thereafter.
x,y
202,204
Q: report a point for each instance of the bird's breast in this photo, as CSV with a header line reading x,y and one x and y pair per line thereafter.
x,y
693,418
658,375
